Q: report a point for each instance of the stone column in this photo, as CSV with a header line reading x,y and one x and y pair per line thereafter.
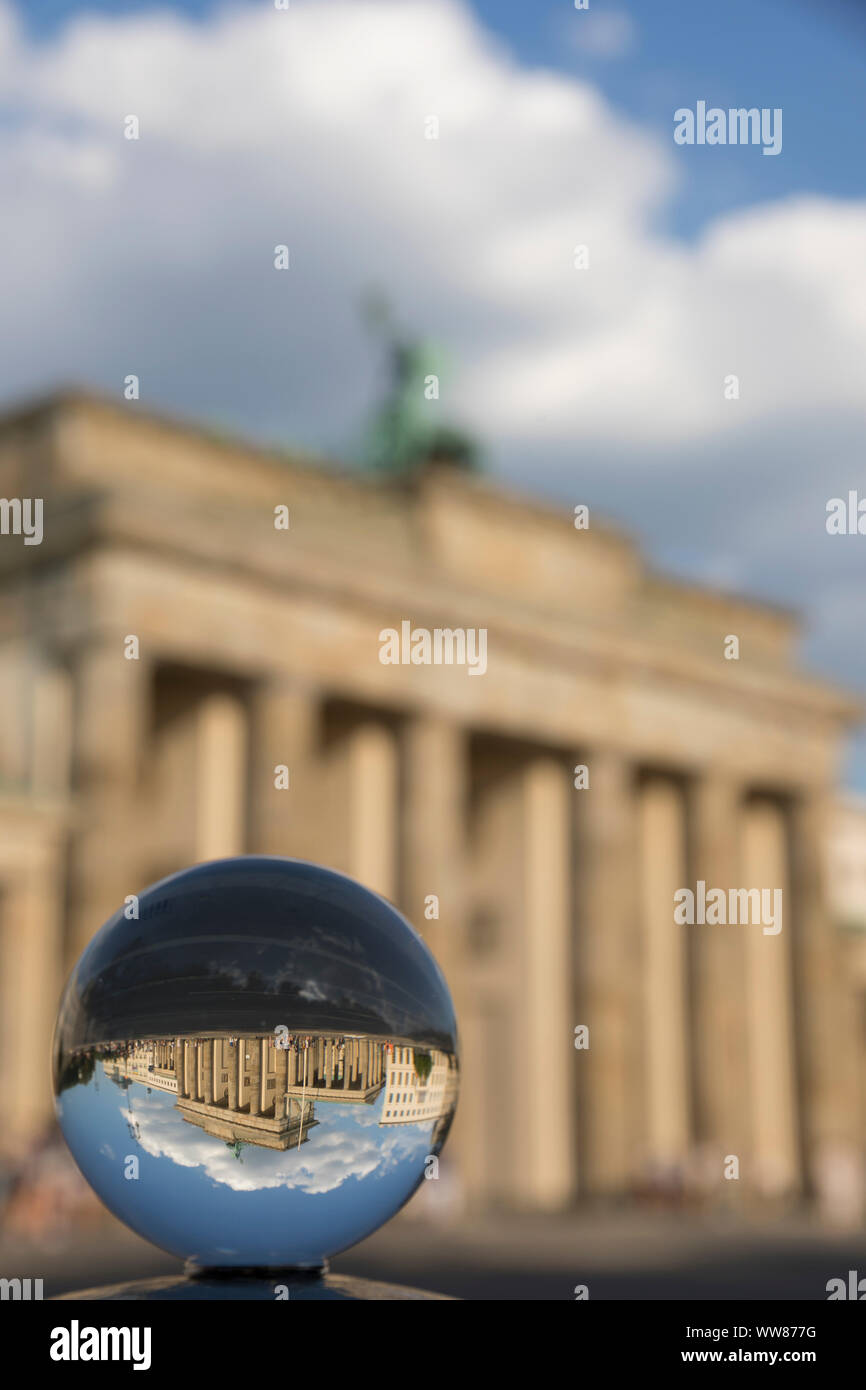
x,y
180,1067
434,838
374,783
775,1152
666,1069
718,956
255,1076
282,1083
608,974
221,777
828,1060
191,1069
543,1121
52,729
109,742
208,1070
31,927
285,733
234,1065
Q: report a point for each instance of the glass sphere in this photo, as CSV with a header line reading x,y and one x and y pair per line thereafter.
x,y
255,1063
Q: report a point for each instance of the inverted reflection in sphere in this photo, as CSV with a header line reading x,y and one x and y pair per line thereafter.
x,y
260,1068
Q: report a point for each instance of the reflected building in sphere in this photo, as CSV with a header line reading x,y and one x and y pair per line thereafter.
x,y
418,1086
265,1098
182,679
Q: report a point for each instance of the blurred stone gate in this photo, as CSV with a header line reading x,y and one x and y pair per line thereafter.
x,y
259,649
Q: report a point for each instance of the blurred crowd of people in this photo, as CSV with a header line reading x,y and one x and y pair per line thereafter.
x,y
43,1197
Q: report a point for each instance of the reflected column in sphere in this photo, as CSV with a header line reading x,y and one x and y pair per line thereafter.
x,y
257,1070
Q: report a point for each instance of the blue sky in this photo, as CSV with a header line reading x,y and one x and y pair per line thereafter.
x,y
556,130
752,53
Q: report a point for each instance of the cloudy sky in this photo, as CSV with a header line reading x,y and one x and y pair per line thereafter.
x,y
603,385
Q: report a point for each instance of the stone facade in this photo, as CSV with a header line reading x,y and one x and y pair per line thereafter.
x,y
258,648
